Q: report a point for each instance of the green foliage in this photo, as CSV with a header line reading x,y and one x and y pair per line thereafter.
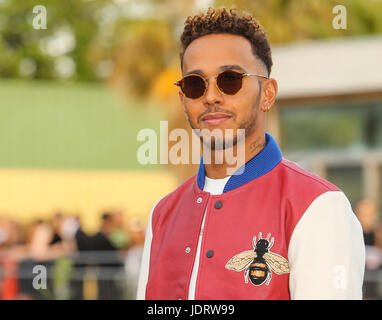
x,y
19,40
291,20
129,42
140,49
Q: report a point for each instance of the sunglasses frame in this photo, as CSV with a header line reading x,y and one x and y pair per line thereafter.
x,y
243,74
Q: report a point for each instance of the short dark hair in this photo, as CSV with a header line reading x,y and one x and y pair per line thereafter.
x,y
223,21
106,216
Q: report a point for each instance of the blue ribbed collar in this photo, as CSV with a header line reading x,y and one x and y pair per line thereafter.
x,y
259,165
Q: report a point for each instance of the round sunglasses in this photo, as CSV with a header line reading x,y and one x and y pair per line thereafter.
x,y
229,82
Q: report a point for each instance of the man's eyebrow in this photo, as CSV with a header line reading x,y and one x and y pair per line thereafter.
x,y
232,67
197,71
222,68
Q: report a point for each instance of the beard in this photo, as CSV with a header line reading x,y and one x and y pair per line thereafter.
x,y
224,141
248,124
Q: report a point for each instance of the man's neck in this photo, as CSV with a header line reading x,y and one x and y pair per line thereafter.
x,y
251,148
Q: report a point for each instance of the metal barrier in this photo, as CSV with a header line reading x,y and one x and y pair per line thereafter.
x,y
83,275
92,275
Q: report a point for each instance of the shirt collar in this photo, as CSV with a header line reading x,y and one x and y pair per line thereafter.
x,y
260,164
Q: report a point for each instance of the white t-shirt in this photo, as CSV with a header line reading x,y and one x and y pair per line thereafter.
x,y
215,187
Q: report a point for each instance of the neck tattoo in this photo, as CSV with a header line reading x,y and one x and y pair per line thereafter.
x,y
254,146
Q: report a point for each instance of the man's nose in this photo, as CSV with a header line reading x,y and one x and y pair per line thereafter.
x,y
213,95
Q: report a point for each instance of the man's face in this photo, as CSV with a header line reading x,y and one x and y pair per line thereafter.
x,y
209,55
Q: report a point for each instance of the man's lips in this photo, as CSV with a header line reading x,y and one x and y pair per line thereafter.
x,y
215,118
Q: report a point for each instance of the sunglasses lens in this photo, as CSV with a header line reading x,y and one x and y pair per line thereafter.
x,y
230,82
193,86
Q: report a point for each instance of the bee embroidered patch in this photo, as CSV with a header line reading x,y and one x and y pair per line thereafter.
x,y
259,262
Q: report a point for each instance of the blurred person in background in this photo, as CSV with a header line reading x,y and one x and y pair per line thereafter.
x,y
19,257
378,236
102,252
109,259
101,240
56,224
10,236
40,249
81,260
134,256
47,242
367,213
119,235
10,233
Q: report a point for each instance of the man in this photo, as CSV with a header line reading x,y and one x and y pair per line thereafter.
x,y
274,231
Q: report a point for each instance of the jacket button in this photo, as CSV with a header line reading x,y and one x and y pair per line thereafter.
x,y
218,204
199,200
188,250
210,254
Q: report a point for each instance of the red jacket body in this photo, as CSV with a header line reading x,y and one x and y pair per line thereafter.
x,y
270,197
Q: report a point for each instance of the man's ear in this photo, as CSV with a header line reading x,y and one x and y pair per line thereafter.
x,y
181,96
269,93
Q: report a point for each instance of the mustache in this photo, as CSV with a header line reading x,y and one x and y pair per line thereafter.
x,y
216,109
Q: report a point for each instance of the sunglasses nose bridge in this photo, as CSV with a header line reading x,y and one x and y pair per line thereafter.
x,y
210,77
211,85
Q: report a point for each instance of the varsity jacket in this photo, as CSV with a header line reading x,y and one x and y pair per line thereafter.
x,y
276,231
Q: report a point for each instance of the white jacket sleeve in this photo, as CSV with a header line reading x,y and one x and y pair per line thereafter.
x,y
326,251
145,262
